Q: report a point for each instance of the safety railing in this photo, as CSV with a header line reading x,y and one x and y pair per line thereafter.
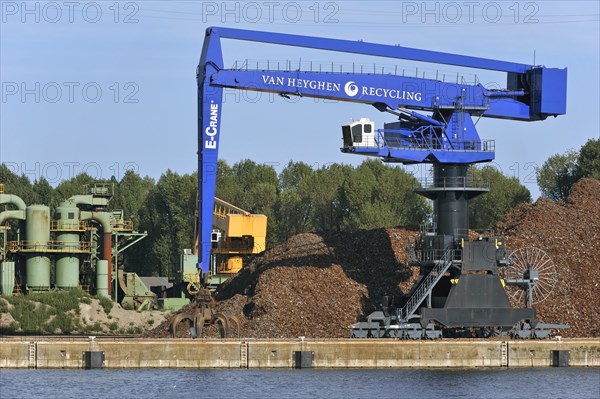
x,y
454,182
427,285
50,246
355,68
429,226
439,255
121,225
426,138
99,189
367,142
224,208
483,233
68,225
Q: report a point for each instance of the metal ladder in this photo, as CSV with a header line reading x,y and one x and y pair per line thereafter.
x,y
426,286
244,355
32,355
504,354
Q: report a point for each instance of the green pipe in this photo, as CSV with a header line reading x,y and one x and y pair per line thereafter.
x,y
7,215
84,200
102,217
19,214
12,199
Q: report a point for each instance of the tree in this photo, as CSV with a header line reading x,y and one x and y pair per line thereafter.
x,y
227,188
558,174
43,191
589,159
325,187
294,205
256,183
168,217
505,193
130,195
17,185
378,195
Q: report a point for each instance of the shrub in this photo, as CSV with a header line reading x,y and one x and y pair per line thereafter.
x,y
86,300
106,304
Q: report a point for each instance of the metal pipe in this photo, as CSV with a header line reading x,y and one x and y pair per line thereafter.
x,y
12,199
104,219
108,257
7,215
84,200
426,118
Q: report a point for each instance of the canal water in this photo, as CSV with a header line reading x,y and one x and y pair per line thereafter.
x,y
545,383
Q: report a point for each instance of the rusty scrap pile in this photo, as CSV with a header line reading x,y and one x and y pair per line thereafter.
x,y
570,233
317,285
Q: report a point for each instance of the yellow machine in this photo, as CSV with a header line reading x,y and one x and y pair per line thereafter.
x,y
236,233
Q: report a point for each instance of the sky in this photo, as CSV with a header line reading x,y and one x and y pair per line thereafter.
x,y
103,87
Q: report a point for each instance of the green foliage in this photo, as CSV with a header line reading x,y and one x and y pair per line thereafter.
x,y
17,185
106,303
168,217
377,195
3,306
589,159
130,195
47,312
61,301
340,197
112,326
31,319
558,174
96,327
63,322
134,330
505,193
43,191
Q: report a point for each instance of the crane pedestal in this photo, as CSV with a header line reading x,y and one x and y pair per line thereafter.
x,y
469,294
459,288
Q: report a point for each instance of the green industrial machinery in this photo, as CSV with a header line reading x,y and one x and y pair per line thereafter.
x,y
78,245
36,247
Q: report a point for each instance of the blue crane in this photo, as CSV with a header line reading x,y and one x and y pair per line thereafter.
x,y
433,120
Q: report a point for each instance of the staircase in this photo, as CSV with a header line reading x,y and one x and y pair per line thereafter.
x,y
426,286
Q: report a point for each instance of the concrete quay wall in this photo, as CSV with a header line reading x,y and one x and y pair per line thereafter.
x,y
48,352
